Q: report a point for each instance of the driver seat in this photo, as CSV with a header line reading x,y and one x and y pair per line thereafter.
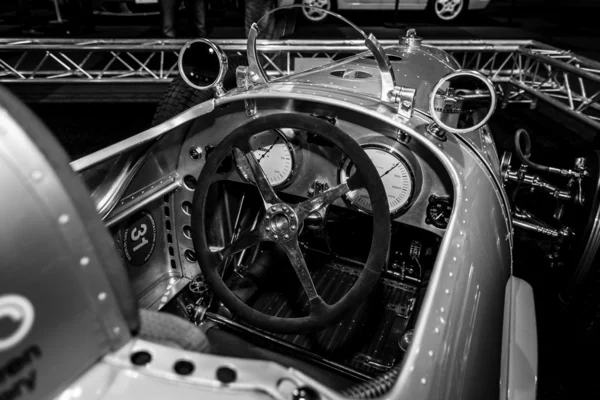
x,y
65,300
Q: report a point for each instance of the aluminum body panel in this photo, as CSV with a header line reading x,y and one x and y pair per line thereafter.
x,y
115,377
53,284
519,343
419,68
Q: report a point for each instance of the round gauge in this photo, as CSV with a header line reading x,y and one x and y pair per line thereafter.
x,y
438,212
395,174
274,154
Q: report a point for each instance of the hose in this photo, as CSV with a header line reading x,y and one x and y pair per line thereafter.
x,y
376,387
524,155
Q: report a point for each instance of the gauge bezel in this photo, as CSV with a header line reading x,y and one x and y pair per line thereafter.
x,y
293,154
433,200
345,166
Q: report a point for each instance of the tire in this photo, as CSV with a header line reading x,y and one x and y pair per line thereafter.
x,y
332,6
435,7
180,96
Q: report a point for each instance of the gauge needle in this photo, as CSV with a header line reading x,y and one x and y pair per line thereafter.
x,y
389,170
438,216
268,150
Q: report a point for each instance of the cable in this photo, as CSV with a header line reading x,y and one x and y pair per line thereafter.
x,y
524,155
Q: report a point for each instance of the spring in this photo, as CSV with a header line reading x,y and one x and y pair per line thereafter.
x,y
376,387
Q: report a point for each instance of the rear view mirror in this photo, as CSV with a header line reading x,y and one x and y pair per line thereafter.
x,y
202,65
462,101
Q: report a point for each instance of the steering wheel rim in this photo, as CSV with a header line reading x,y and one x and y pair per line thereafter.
x,y
367,176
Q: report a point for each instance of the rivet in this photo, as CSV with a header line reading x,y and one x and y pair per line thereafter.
x,y
441,309
453,258
63,219
464,221
437,330
451,274
412,368
430,353
268,217
268,229
84,261
466,200
466,211
462,233
442,320
102,296
293,227
447,291
423,381
286,236
275,237
116,330
37,175
273,208
457,244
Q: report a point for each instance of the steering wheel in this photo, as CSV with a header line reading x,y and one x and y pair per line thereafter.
x,y
282,221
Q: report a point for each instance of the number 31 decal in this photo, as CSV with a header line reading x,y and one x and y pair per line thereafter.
x,y
139,238
135,236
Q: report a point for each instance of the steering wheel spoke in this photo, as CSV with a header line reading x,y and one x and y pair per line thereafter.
x,y
247,239
251,167
326,198
294,253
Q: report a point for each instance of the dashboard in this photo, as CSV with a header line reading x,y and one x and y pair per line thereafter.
x,y
300,164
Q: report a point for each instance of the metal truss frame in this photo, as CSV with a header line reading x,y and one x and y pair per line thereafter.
x,y
524,71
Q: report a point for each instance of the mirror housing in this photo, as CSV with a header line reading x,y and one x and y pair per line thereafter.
x,y
202,65
447,104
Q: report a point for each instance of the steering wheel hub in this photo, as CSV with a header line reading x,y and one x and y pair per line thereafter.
x,y
281,222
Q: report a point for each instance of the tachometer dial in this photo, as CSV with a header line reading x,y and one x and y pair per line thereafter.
x,y
395,174
274,153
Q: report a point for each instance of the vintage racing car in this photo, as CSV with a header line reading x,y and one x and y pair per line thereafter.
x,y
342,232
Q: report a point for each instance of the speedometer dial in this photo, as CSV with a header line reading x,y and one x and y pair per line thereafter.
x,y
396,177
274,154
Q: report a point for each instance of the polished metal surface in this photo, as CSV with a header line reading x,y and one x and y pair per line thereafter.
x,y
519,372
54,291
116,377
142,198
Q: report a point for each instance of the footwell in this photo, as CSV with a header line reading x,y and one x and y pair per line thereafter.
x,y
367,339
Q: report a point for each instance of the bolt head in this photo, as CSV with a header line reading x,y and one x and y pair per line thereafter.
x,y
293,227
286,236
273,208
196,153
268,229
275,237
